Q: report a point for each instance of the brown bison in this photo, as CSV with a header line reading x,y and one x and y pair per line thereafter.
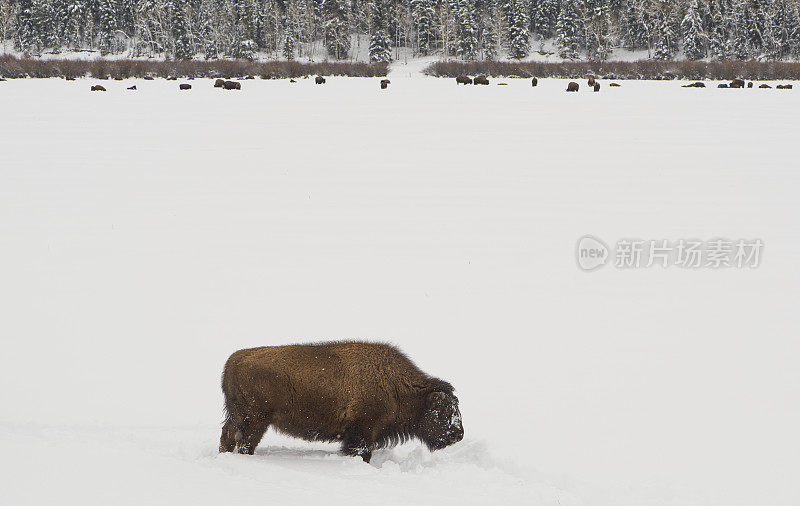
x,y
385,83
463,80
219,83
133,87
591,81
231,85
614,85
185,86
750,84
736,83
480,80
365,395
572,86
722,85
534,82
697,84
784,86
765,86
148,78
319,80
97,87
596,86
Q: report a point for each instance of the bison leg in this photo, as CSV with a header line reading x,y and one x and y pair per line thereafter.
x,y
355,444
249,435
227,441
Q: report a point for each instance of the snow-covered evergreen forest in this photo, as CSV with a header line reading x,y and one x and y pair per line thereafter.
x,y
463,29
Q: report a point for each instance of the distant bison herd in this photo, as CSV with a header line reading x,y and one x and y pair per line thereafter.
x,y
592,81
363,395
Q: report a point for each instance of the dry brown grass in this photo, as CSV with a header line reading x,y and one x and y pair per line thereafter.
x,y
13,67
646,69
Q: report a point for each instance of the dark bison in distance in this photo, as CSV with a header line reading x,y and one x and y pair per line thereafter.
x,y
366,395
319,80
463,80
572,86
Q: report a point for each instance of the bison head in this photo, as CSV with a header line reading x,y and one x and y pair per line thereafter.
x,y
440,424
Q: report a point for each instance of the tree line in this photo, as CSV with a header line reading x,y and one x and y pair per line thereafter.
x,y
464,29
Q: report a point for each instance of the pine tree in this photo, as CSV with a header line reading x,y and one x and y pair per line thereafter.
x,y
290,24
598,29
544,16
380,47
694,38
666,43
184,49
492,28
718,32
518,36
108,25
423,15
467,30
568,30
337,31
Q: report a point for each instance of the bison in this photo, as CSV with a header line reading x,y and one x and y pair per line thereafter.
x,y
736,83
480,80
364,395
572,86
385,83
697,84
185,86
722,85
750,84
97,87
133,88
614,85
764,86
232,85
219,83
534,82
463,80
591,81
596,86
784,86
319,80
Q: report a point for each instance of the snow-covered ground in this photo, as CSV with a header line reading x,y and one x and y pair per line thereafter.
x,y
146,235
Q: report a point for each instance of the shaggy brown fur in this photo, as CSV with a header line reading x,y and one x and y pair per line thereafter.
x,y
591,81
765,86
572,86
463,80
596,86
319,80
185,86
385,83
480,80
132,87
722,85
219,83
231,85
698,84
736,83
534,82
614,85
784,86
750,84
98,88
366,395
